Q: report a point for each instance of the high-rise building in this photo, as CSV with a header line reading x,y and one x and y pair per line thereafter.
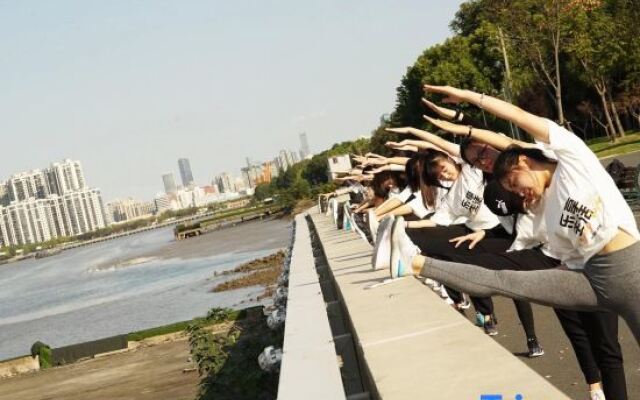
x,y
65,176
127,209
4,194
38,220
304,146
41,205
225,183
185,172
169,183
28,185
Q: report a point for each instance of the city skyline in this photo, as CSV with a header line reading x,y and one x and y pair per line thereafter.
x,y
129,89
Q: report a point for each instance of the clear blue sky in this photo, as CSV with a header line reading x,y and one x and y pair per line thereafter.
x,y
128,87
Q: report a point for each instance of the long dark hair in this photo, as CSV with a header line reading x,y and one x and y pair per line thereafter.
x,y
379,182
508,159
413,171
464,146
430,163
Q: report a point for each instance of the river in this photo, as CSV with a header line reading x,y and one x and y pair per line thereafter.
x,y
127,284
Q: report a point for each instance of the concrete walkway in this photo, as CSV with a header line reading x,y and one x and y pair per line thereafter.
x,y
413,345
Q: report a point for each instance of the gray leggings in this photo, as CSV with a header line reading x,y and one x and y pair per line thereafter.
x,y
609,282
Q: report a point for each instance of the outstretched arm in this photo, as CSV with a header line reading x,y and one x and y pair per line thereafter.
x,y
532,124
493,139
451,148
445,113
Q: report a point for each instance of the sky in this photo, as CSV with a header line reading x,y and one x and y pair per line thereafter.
x,y
128,87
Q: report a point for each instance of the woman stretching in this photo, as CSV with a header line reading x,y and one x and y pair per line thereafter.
x,y
589,225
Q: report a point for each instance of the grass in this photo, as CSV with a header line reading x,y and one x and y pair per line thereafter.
x,y
177,327
604,148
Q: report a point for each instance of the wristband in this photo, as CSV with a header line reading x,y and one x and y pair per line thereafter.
x,y
470,130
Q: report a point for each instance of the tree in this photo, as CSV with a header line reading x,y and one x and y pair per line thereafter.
x,y
598,54
540,29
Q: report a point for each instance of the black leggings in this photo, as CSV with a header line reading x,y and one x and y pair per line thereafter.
x,y
435,242
593,335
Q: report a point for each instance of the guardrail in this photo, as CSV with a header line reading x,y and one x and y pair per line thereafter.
x,y
309,368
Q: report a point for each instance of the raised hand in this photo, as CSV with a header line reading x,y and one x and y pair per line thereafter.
x,y
373,155
375,161
448,126
443,112
406,130
451,95
402,146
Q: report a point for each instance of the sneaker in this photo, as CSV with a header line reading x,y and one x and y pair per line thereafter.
x,y
429,282
597,394
465,304
346,217
402,250
535,350
443,292
479,320
436,286
490,326
373,223
382,248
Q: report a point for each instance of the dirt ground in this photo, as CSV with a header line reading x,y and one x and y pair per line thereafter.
x,y
151,372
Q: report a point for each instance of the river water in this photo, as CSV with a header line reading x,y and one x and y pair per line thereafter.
x,y
127,284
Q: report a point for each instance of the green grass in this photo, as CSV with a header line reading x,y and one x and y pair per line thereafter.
x,y
604,148
177,327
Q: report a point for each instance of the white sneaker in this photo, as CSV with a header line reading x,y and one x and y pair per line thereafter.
x,y
373,223
334,209
436,286
597,395
402,250
466,302
382,248
429,282
443,292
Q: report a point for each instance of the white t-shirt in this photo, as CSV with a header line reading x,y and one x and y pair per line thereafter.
x,y
418,207
583,208
531,232
404,195
464,202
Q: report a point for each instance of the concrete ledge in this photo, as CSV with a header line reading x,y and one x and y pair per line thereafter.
x,y
309,368
413,345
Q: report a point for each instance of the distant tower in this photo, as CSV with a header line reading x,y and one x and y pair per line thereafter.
x,y
304,146
185,172
169,183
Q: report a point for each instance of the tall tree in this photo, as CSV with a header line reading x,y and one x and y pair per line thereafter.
x,y
540,29
597,53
